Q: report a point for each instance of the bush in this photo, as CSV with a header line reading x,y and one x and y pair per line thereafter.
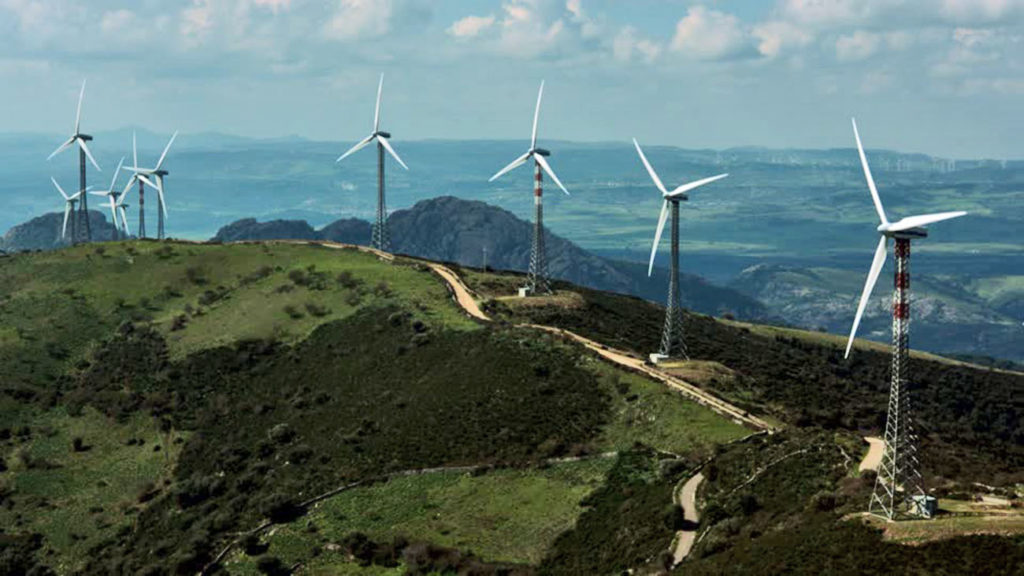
x,y
317,310
194,275
293,312
272,566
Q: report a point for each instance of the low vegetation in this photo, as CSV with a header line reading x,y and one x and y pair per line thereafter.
x,y
969,418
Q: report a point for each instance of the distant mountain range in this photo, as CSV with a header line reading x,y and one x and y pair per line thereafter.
x,y
454,230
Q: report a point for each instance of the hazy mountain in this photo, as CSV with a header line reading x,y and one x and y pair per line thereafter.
x,y
453,230
946,315
44,232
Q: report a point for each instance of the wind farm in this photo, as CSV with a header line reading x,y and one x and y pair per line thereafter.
x,y
324,366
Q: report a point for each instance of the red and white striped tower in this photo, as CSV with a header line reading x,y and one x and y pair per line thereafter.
x,y
537,277
899,479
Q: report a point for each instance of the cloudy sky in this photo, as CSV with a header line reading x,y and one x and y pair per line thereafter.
x,y
944,77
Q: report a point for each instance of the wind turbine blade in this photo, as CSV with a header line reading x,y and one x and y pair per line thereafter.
x,y
869,285
59,189
146,181
376,111
650,169
78,115
657,236
98,193
687,187
536,115
116,173
547,168
135,151
924,220
160,193
512,166
359,146
124,221
387,145
67,211
867,175
113,212
88,154
62,147
167,148
132,180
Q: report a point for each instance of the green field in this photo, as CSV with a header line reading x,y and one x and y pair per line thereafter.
x,y
503,515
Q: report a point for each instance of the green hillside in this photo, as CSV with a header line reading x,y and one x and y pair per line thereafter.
x,y
163,397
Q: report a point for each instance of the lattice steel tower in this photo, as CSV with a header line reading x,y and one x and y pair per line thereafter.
x,y
537,278
672,342
899,478
381,240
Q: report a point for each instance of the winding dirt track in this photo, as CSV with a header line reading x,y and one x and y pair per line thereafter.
x,y
687,498
464,297
873,458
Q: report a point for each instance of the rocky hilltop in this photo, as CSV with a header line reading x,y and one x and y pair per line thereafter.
x,y
451,229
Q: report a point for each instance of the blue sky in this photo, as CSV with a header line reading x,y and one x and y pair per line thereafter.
x,y
944,77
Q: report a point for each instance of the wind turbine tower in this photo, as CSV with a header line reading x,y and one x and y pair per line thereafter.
x,y
380,239
537,281
899,487
69,208
83,152
672,341
154,178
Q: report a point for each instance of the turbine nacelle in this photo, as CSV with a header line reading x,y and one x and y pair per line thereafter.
x,y
382,134
541,152
909,233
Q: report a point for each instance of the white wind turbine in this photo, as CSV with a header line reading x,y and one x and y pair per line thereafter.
x,y
83,152
672,343
899,483
537,277
380,239
154,178
112,195
69,207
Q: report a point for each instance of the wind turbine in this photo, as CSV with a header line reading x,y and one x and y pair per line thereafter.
x,y
111,195
83,152
898,470
69,207
537,277
153,177
672,343
380,239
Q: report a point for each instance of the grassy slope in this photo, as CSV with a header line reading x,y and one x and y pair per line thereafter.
x,y
970,416
84,496
54,305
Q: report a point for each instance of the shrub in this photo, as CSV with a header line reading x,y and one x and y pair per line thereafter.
x,y
195,276
293,312
317,310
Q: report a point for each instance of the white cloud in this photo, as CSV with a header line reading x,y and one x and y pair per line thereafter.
x,y
355,19
628,45
470,26
981,11
857,46
776,35
711,35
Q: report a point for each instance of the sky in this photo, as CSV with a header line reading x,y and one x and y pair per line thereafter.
x,y
943,77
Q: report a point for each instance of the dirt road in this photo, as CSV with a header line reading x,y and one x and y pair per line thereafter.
x,y
687,499
871,461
